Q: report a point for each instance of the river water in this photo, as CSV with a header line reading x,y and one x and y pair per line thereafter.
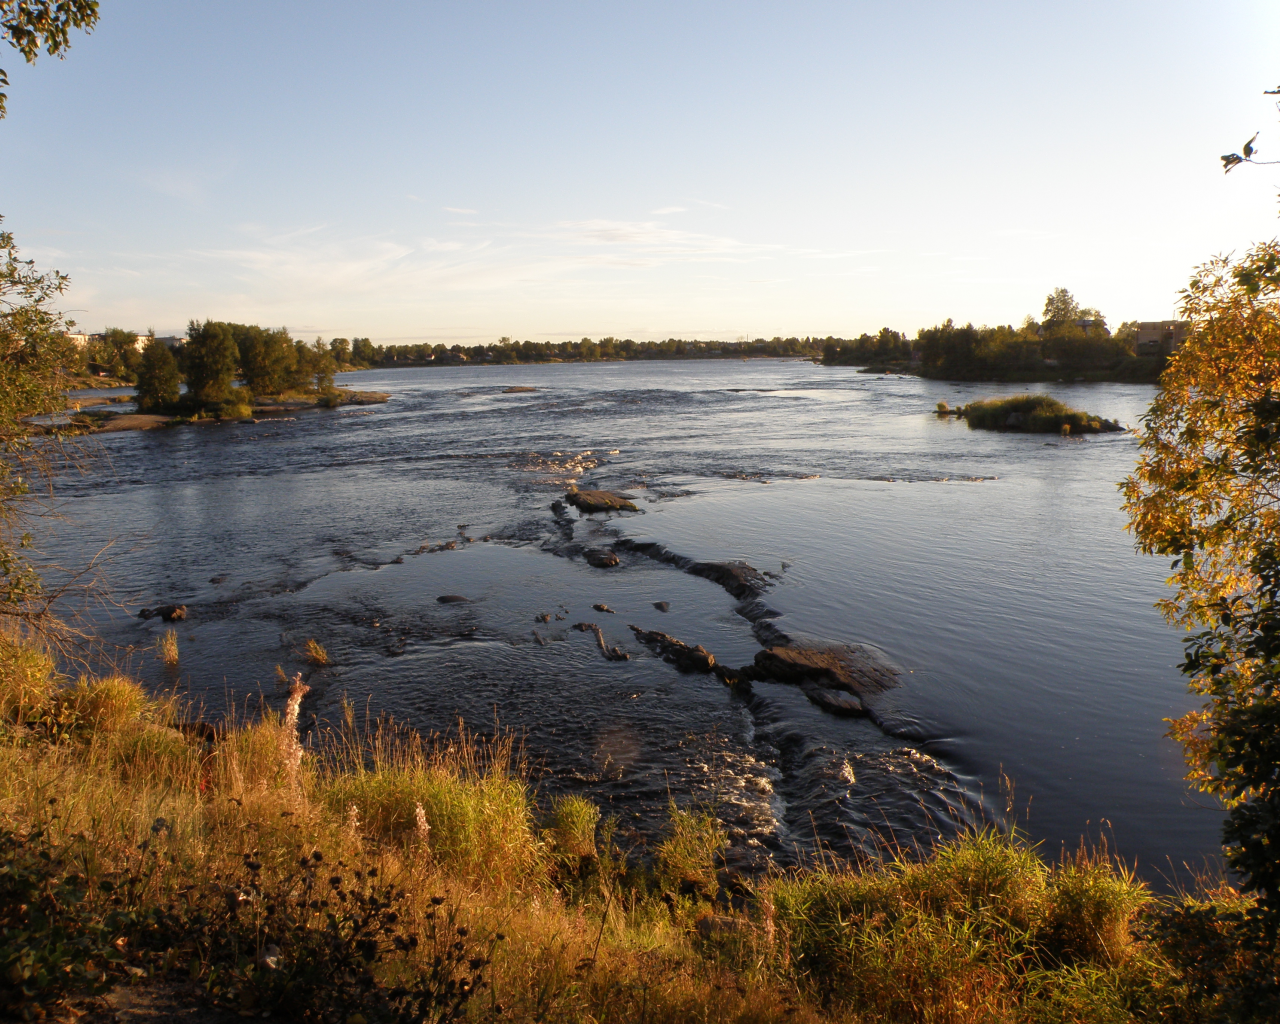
x,y
992,570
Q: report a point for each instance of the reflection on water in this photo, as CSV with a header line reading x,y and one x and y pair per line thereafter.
x,y
991,569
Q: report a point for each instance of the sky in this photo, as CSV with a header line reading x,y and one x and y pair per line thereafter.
x,y
456,172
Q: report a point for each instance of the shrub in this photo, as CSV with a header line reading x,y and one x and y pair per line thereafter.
x,y
1034,414
234,409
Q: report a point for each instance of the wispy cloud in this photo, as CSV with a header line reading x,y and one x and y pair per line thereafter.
x,y
458,209
668,209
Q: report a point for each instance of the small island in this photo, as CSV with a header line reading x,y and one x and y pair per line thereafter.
x,y
1030,414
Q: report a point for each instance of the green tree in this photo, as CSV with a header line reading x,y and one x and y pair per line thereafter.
x,y
33,349
267,358
1060,307
211,361
117,351
315,367
158,377
30,26
340,349
363,353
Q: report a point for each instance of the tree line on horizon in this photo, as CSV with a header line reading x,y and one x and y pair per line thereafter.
x,y
1067,339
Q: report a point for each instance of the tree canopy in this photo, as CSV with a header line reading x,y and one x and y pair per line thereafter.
x,y
212,358
30,26
33,348
1207,484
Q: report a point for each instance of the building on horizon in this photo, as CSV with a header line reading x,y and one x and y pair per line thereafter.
x,y
1160,337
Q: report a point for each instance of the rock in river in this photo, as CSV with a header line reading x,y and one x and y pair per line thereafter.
x,y
600,558
679,654
599,501
849,669
453,599
168,612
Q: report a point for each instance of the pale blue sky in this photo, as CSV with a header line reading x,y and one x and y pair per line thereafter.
x,y
460,171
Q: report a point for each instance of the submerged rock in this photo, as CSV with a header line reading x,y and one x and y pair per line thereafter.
x,y
678,653
738,578
600,558
603,608
453,599
517,390
662,606
837,703
599,501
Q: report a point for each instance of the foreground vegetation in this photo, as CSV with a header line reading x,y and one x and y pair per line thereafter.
x,y
371,875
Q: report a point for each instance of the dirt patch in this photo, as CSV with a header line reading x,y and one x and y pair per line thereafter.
x,y
132,421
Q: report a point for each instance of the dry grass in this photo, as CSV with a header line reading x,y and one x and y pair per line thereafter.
x,y
167,649
980,931
315,653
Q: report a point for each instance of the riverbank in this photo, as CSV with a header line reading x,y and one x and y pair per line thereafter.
x,y
97,415
167,856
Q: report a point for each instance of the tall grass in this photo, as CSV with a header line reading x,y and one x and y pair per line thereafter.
x,y
167,649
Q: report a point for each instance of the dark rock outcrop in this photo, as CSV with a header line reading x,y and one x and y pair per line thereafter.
x,y
662,606
738,578
453,599
836,679
600,558
603,608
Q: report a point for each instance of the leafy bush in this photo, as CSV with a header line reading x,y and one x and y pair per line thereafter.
x,y
311,942
51,940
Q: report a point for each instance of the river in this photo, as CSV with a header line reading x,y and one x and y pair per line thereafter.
x,y
992,570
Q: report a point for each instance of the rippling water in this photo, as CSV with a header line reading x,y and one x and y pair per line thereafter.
x,y
993,570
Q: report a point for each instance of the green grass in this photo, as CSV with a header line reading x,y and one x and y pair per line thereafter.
x,y
1034,414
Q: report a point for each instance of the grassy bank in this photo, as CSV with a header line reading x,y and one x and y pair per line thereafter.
x,y
371,875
